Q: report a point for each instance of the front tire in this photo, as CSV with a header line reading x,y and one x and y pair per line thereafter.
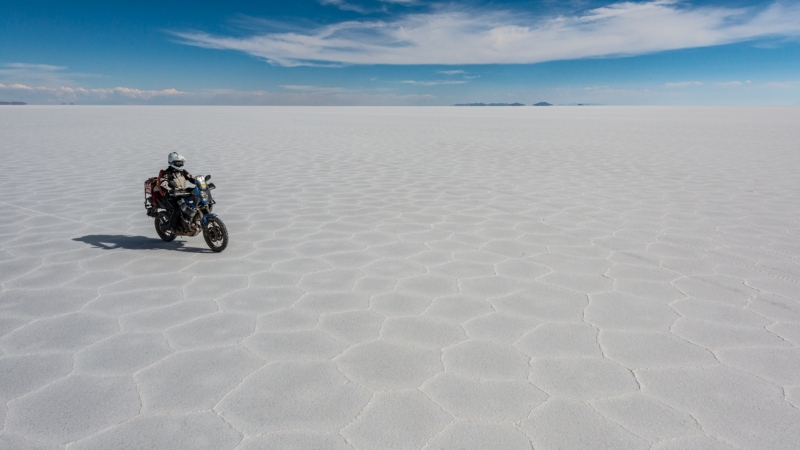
x,y
162,227
215,234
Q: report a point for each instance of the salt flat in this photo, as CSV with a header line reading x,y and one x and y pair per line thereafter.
x,y
404,278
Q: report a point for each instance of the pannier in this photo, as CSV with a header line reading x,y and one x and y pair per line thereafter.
x,y
152,193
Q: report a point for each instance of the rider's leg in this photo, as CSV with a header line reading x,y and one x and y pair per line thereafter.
x,y
175,213
185,212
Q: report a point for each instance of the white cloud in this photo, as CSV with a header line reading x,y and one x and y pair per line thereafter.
x,y
40,74
137,93
732,84
66,93
682,84
345,6
43,67
432,83
296,95
472,36
315,89
782,84
348,6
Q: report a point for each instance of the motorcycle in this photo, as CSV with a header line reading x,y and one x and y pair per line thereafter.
x,y
161,204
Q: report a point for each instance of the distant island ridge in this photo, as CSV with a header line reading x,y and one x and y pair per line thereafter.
x,y
13,103
501,104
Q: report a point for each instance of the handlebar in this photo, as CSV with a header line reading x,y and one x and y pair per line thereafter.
x,y
181,193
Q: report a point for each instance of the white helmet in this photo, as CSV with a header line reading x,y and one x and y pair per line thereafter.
x,y
176,161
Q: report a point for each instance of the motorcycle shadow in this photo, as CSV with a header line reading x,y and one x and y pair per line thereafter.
x,y
114,242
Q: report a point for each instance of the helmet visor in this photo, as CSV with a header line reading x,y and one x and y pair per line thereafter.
x,y
177,163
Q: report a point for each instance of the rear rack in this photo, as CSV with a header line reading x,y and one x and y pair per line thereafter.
x,y
152,192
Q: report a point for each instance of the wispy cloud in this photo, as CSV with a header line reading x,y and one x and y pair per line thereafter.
x,y
782,84
43,67
683,84
292,95
371,6
731,84
315,89
70,93
432,83
45,74
346,6
456,35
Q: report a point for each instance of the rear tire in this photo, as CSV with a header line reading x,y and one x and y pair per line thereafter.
x,y
215,234
162,227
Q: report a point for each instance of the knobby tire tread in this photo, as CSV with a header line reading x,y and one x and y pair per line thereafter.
x,y
222,230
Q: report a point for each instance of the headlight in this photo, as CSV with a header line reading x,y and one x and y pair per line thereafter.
x,y
204,196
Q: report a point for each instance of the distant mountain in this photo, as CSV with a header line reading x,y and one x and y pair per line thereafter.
x,y
13,103
489,104
542,104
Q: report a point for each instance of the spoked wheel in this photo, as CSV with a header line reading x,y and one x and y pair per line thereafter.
x,y
162,227
215,234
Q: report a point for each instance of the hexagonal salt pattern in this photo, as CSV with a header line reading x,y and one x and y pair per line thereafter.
x,y
404,278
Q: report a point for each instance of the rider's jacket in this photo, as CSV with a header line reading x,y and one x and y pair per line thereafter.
x,y
175,179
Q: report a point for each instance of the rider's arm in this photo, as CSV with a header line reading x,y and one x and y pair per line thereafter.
x,y
189,177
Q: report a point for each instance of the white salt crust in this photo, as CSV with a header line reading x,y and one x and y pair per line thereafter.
x,y
405,278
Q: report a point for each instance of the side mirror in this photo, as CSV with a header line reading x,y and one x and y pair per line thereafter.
x,y
208,177
211,186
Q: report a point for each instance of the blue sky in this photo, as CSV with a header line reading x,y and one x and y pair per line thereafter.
x,y
400,52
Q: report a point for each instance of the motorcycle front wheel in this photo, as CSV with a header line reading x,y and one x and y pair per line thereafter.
x,y
215,234
162,227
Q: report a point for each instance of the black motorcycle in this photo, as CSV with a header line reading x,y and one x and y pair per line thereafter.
x,y
161,204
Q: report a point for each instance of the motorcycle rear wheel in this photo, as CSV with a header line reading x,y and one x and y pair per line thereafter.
x,y
162,227
215,234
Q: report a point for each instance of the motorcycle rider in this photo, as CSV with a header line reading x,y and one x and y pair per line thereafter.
x,y
175,178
